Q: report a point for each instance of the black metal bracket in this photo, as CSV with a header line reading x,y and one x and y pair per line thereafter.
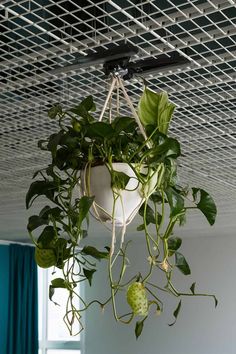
x,y
126,69
117,67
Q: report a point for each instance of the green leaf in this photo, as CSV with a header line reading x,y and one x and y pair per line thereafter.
x,y
139,327
165,116
61,158
88,273
55,284
38,172
94,252
54,111
156,198
53,142
148,107
176,313
35,221
51,293
42,145
54,212
155,109
174,244
140,227
58,283
62,254
47,237
206,204
169,148
100,129
61,251
216,301
119,180
170,171
37,188
126,124
192,288
182,219
45,257
71,142
175,200
84,233
61,244
87,105
73,215
44,212
84,206
182,264
150,217
76,125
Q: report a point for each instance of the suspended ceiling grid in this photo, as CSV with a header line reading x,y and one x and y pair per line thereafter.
x,y
40,38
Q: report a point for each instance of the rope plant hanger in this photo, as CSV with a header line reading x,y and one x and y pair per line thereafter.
x,y
118,214
113,168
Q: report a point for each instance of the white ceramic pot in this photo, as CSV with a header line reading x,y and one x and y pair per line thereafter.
x,y
126,205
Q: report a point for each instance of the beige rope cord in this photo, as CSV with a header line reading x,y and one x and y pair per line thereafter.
x,y
115,85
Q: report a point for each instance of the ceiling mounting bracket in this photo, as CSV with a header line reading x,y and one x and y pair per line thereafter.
x,y
126,69
118,67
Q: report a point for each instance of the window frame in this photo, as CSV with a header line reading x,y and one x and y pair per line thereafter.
x,y
44,343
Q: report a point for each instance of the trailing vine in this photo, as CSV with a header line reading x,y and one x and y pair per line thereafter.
x,y
81,143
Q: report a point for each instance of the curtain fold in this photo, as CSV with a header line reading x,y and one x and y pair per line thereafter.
x,y
4,296
23,301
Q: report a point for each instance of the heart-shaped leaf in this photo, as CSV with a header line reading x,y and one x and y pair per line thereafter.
x,y
100,129
37,188
35,221
84,205
176,201
139,328
174,244
47,237
88,273
155,109
176,313
150,217
182,264
206,204
94,252
54,111
83,109
119,180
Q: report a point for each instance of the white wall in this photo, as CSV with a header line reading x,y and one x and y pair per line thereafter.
x,y
200,329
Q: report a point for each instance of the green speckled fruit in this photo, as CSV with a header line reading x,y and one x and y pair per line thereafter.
x,y
45,258
137,299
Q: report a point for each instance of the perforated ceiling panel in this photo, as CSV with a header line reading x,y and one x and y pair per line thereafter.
x,y
41,36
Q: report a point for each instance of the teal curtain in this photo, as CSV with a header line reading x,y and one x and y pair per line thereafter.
x,y
23,301
4,296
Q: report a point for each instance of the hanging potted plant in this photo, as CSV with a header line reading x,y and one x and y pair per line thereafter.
x,y
112,169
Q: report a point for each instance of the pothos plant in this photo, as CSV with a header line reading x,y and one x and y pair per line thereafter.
x,y
81,143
